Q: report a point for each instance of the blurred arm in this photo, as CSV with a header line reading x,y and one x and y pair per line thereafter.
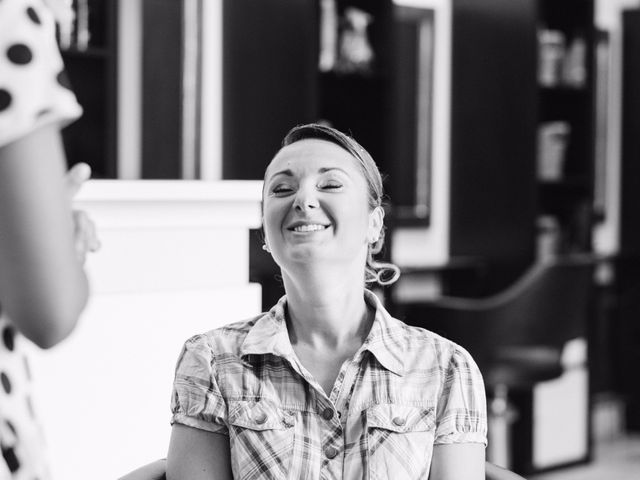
x,y
43,287
458,461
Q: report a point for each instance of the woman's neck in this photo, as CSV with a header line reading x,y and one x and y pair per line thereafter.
x,y
327,314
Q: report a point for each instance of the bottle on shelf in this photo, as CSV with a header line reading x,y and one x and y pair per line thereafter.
x,y
74,32
574,69
551,52
561,62
553,138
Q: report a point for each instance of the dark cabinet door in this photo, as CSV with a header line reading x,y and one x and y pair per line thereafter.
x,y
493,133
270,57
630,219
628,266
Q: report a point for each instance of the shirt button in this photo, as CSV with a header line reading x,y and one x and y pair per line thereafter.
x,y
260,418
327,414
331,452
399,421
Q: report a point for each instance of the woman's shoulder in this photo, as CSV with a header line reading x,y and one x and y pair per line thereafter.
x,y
445,351
227,338
424,336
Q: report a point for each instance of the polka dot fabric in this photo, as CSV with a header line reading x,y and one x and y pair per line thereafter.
x,y
22,446
34,89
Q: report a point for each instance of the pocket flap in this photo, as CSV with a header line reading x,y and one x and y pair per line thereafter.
x,y
259,415
401,418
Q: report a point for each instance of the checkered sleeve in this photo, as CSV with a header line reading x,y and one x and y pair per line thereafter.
x,y
462,411
196,400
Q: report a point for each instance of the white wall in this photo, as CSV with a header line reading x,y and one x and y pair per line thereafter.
x,y
174,262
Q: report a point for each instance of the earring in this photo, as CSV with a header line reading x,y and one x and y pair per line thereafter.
x,y
265,247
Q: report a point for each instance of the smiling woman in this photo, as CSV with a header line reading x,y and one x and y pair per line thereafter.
x,y
327,383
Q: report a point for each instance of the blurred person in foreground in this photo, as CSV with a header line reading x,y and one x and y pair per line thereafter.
x,y
43,286
326,384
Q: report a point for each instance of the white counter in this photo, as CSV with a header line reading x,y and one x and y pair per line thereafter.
x,y
174,262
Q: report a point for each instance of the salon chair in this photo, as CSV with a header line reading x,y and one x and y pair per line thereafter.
x,y
155,471
516,336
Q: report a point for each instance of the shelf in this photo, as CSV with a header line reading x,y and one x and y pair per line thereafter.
x,y
567,186
354,78
91,52
564,91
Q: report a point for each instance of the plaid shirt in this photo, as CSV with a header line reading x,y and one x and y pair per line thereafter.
x,y
405,390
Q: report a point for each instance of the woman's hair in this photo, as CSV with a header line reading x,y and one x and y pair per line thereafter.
x,y
383,273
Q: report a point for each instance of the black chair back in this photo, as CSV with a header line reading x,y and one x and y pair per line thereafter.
x,y
547,306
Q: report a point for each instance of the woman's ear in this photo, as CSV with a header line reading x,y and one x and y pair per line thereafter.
x,y
376,222
263,237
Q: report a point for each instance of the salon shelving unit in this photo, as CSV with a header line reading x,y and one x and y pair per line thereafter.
x,y
359,102
567,98
92,71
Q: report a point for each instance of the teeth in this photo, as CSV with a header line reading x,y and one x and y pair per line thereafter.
x,y
309,228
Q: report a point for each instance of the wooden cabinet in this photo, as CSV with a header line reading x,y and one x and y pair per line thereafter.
x,y
90,57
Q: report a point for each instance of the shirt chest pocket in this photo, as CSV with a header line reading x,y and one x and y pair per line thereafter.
x,y
399,441
260,436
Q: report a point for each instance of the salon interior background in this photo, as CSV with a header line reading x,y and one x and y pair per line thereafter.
x,y
481,162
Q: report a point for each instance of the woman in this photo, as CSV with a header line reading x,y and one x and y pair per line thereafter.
x,y
326,384
43,286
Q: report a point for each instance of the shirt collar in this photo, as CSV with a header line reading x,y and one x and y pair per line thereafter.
x,y
385,340
269,334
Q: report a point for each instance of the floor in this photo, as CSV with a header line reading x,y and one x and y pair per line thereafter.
x,y
613,460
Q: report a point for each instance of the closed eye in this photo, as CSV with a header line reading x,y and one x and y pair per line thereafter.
x,y
281,190
331,186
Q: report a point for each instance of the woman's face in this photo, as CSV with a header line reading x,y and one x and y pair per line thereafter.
x,y
316,206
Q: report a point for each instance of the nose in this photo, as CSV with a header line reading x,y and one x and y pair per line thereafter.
x,y
306,198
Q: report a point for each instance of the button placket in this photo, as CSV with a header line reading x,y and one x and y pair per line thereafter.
x,y
327,413
331,452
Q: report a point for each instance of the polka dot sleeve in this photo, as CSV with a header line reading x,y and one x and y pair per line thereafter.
x,y
34,90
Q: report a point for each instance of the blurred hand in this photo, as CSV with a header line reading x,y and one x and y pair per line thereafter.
x,y
75,178
84,229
